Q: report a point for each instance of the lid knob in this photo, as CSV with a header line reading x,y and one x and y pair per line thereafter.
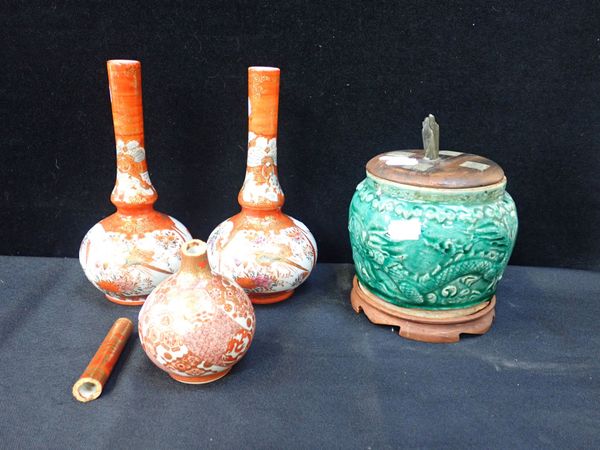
x,y
431,137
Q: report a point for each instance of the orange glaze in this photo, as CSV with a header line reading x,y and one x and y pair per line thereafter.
x,y
255,219
126,254
263,104
196,324
263,96
108,285
100,367
130,222
264,250
125,84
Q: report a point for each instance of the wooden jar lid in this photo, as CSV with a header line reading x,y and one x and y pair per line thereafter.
x,y
434,168
451,170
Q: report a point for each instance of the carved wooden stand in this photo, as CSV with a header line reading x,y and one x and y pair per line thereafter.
x,y
425,329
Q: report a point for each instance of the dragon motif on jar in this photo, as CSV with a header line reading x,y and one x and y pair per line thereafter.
x,y
431,250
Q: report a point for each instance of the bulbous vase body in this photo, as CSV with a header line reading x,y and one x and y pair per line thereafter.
x,y
265,251
196,324
128,253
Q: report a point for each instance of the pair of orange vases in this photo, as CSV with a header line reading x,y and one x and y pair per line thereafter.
x,y
197,318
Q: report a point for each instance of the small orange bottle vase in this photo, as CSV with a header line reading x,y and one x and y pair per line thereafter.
x,y
128,253
196,324
265,251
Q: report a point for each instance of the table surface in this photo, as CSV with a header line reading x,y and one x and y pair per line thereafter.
x,y
317,374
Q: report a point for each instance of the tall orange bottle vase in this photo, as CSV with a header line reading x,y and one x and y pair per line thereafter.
x,y
128,253
265,251
196,324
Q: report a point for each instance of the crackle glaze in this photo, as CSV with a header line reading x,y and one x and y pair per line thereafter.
x,y
196,324
435,249
265,251
128,253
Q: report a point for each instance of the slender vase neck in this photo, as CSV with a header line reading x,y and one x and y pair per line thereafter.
x,y
261,189
133,189
194,260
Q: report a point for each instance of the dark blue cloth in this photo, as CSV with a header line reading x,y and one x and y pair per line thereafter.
x,y
317,374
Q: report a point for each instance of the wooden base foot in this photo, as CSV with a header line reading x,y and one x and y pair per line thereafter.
x,y
423,328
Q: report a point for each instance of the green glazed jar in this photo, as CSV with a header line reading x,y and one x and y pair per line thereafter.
x,y
432,230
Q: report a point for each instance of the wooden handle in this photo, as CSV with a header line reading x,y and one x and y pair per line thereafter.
x,y
263,100
89,385
125,83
